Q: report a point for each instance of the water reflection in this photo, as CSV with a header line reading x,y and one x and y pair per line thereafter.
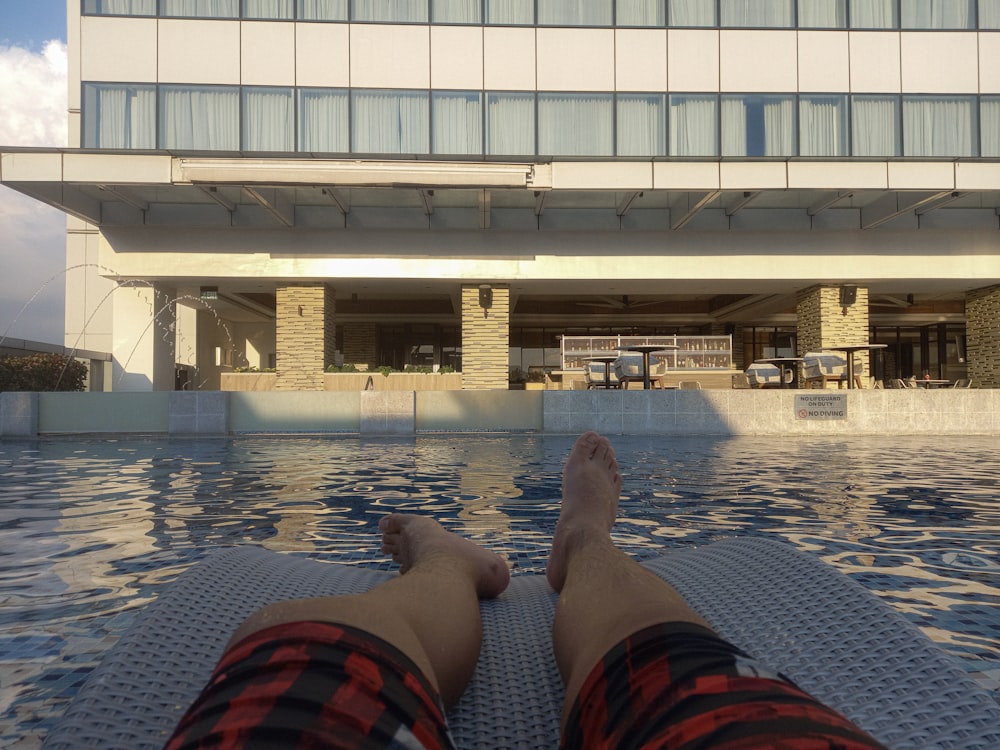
x,y
91,530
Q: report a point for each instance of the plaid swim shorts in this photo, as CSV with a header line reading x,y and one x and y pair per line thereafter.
x,y
315,685
680,686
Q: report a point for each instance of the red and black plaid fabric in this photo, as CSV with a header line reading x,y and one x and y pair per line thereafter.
x,y
314,685
680,686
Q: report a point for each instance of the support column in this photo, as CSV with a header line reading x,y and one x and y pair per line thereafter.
x,y
485,336
144,337
305,335
360,341
824,321
982,328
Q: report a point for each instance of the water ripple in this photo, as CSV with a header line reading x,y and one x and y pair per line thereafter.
x,y
91,530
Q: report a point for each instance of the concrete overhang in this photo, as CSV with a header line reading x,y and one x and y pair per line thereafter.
x,y
127,188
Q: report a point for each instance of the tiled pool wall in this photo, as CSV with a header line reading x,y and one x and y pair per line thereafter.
x,y
633,412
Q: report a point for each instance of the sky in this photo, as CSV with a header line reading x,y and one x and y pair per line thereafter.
x,y
32,113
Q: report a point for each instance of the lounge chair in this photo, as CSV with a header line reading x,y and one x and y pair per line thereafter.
x,y
803,618
762,375
594,375
821,368
629,369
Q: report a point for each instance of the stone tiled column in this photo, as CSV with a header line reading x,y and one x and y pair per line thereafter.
x,y
982,328
305,335
485,339
360,341
822,321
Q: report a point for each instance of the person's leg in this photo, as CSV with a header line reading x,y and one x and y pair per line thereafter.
x,y
430,613
641,668
604,595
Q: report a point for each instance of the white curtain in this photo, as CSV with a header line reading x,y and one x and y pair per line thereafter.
x,y
455,11
574,12
823,126
691,12
202,8
873,126
268,119
323,10
989,14
121,7
511,12
936,14
693,126
757,13
390,122
392,11
323,126
268,9
510,124
457,123
938,126
734,127
642,125
202,119
989,123
575,124
121,116
639,13
779,127
822,14
873,14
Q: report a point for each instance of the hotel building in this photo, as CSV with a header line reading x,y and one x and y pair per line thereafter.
x,y
292,184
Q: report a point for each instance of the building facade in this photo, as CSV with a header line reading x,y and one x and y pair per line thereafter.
x,y
294,184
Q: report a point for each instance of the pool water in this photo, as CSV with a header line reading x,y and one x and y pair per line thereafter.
x,y
91,530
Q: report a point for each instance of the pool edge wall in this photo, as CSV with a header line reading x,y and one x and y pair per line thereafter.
x,y
672,412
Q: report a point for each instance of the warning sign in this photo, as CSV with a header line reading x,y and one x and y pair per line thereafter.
x,y
821,406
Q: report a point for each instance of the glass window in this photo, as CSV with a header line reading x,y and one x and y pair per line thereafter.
x,y
510,124
823,14
457,122
323,126
268,9
120,7
758,125
390,11
989,14
322,10
574,12
117,116
691,12
268,119
694,125
875,126
201,8
642,124
510,12
575,124
937,14
939,126
823,125
757,13
200,118
640,13
989,125
389,122
873,14
455,11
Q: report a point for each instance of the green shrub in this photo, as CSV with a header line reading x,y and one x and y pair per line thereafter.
x,y
42,372
348,367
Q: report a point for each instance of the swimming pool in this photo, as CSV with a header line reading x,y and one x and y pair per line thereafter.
x,y
90,530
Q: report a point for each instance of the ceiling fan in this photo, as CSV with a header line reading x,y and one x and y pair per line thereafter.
x,y
619,303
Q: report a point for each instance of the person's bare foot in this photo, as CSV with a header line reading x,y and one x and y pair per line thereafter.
x,y
418,540
591,487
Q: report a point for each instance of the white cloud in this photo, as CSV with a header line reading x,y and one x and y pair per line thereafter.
x,y
33,90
